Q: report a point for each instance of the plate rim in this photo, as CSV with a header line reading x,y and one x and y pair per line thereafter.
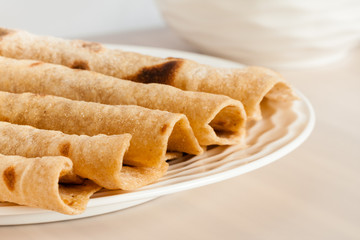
x,y
258,163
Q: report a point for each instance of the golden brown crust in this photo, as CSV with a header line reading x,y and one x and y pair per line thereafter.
x,y
147,147
99,158
184,74
200,108
34,182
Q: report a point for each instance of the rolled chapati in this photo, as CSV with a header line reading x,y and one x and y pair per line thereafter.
x,y
215,119
34,182
153,132
99,158
249,85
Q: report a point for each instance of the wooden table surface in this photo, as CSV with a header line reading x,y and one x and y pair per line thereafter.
x,y
312,193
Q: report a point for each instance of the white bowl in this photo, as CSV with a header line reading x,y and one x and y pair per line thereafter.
x,y
273,33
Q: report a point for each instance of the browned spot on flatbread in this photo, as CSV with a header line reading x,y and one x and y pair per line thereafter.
x,y
163,73
92,46
69,202
35,64
4,32
9,177
65,149
174,58
164,128
78,64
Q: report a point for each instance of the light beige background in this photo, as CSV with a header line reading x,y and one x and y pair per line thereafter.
x,y
75,18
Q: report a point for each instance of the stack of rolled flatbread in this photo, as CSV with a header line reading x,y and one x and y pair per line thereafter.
x,y
76,117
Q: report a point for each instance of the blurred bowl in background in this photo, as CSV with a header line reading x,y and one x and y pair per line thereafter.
x,y
275,33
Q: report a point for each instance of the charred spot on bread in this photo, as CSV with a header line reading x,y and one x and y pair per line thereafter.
x,y
35,64
4,32
9,177
163,73
174,58
65,149
79,64
164,128
92,46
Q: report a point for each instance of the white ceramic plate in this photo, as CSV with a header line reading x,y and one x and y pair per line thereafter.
x,y
282,129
